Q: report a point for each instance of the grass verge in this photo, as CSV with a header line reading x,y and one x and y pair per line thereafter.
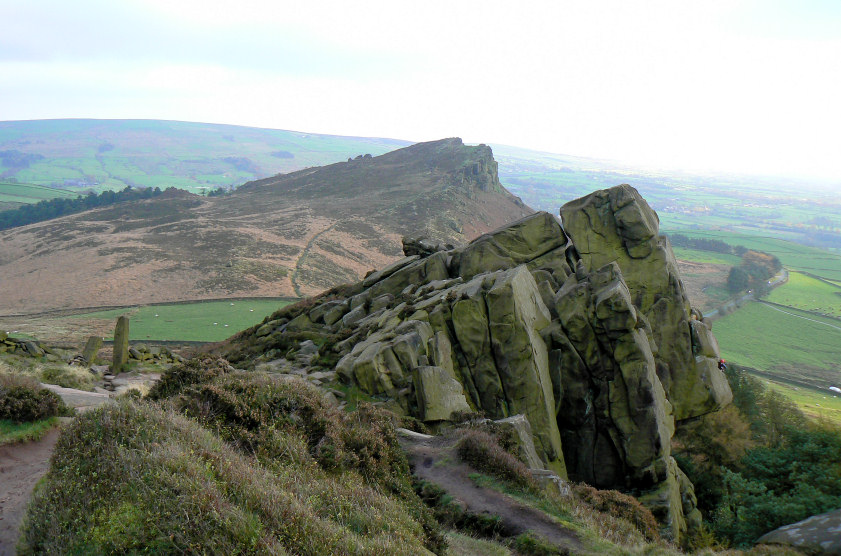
x,y
11,432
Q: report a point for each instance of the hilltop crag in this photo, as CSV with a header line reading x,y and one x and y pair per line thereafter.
x,y
583,328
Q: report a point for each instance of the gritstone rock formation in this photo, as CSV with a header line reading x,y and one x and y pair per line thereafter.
x,y
584,329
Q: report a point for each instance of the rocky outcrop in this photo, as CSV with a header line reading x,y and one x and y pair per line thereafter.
x,y
583,330
617,225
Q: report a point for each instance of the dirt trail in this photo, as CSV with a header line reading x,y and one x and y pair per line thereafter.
x,y
21,465
434,460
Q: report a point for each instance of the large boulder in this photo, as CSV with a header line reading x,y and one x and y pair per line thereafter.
x,y
617,225
819,534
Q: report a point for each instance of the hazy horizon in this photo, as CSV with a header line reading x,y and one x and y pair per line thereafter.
x,y
738,87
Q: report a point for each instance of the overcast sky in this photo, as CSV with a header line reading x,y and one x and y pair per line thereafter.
x,y
752,86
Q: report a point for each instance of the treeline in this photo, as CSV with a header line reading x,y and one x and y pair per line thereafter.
x,y
754,272
759,464
61,206
704,244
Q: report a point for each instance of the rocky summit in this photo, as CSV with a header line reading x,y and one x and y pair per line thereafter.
x,y
583,327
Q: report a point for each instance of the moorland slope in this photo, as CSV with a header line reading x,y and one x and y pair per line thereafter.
x,y
290,235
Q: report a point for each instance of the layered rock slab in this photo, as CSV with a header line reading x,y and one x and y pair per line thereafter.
x,y
585,331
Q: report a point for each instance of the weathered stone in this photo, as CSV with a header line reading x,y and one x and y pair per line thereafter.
x,y
666,503
92,347
510,246
381,302
354,316
516,315
439,395
134,354
32,348
3,335
421,271
308,347
375,277
617,225
265,330
819,534
300,323
422,247
703,341
335,313
120,356
520,431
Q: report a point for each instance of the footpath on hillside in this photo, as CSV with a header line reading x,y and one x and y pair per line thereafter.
x,y
23,464
434,460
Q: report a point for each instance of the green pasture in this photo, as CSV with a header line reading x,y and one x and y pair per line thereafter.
x,y
207,321
815,403
794,345
27,193
809,294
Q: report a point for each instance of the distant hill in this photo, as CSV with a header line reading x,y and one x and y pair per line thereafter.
x,y
110,154
290,235
84,155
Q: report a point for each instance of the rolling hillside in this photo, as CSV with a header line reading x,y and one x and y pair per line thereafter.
x,y
85,155
290,235
110,154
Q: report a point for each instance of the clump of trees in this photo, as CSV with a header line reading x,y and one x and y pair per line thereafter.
x,y
705,244
61,206
760,463
754,272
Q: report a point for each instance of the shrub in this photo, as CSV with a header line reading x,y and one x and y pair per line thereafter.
x,y
194,371
481,450
622,506
22,400
285,421
136,478
533,545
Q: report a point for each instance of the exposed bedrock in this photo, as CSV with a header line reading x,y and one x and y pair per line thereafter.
x,y
584,330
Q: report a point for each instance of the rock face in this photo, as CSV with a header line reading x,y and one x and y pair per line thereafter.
x,y
584,331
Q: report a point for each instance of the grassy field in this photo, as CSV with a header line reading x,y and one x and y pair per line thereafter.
x,y
27,193
209,321
799,346
817,404
809,294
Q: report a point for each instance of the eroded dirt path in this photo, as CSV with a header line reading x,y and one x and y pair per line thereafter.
x,y
434,460
21,465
